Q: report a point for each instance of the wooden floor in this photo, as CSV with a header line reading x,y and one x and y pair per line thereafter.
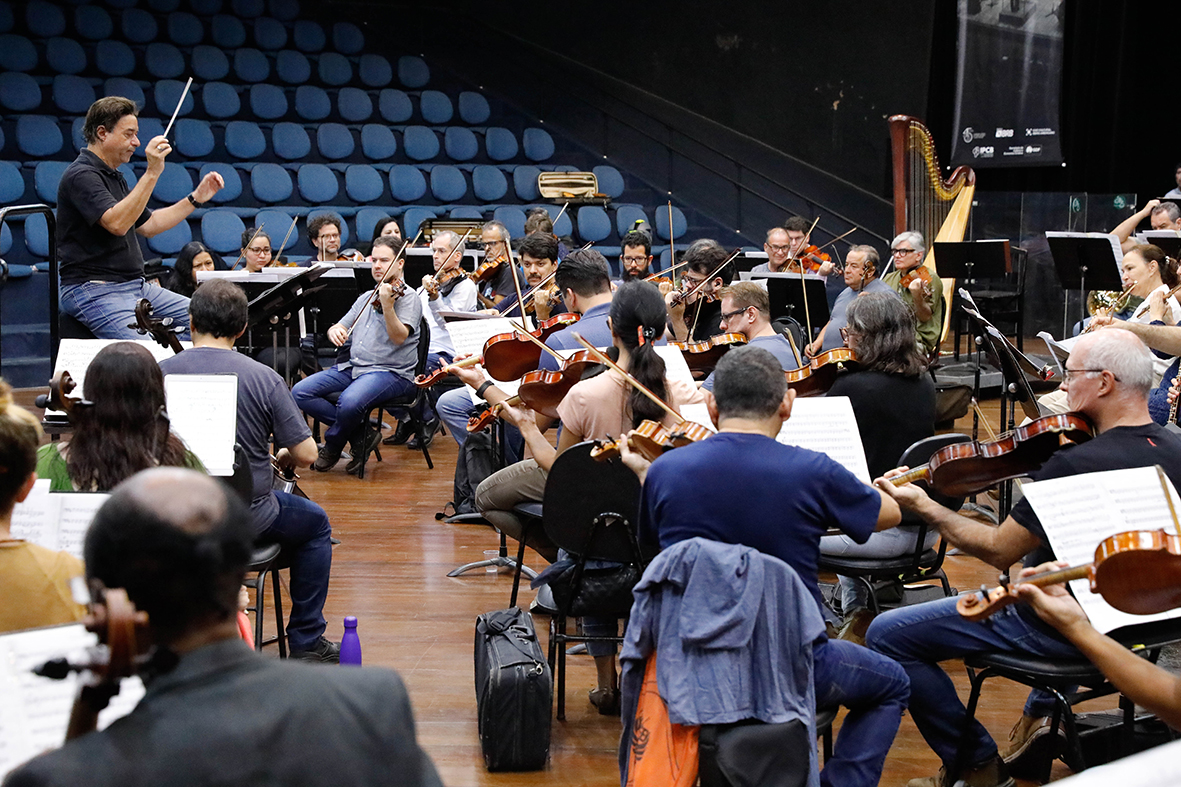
x,y
390,570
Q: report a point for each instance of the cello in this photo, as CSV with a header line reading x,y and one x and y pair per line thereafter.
x,y
159,328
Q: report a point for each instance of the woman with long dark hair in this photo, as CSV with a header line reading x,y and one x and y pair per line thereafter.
x,y
124,431
195,256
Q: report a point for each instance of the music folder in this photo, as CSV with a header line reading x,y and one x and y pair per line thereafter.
x,y
1169,241
1092,258
968,260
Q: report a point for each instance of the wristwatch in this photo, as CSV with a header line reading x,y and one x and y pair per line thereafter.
x,y
193,201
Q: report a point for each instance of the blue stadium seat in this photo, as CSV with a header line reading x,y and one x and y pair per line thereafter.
x,y
93,22
375,71
164,61
170,242
626,216
473,108
435,107
276,223
227,31
367,219
149,128
293,67
394,106
489,183
45,20
165,6
175,184
202,7
268,102
335,69
72,94
290,141
184,29
539,145
19,92
221,230
17,53
468,213
46,176
233,188
564,225
37,136
114,58
593,224
139,27
317,183
128,175
168,92
77,141
251,65
610,181
247,8
270,183
6,236
512,218
209,63
378,142
347,38
286,10
448,183
354,105
37,234
335,141
194,138
679,223
420,143
363,183
413,72
500,144
525,182
6,18
407,183
413,217
65,55
221,100
309,36
12,185
269,34
460,144
128,88
244,140
312,103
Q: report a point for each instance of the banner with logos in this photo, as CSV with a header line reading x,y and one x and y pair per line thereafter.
x,y
1008,83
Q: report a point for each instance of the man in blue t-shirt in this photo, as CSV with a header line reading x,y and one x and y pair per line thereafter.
x,y
741,486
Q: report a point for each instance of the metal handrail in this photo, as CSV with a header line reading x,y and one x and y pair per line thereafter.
x,y
51,228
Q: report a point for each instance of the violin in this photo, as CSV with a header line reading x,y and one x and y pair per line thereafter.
x,y
436,282
350,255
969,468
540,390
922,273
399,289
159,328
1138,572
821,372
58,398
488,268
506,356
810,260
703,356
651,439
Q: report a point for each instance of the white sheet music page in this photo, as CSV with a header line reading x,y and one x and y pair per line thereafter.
x,y
1080,511
1159,766
75,355
203,410
827,424
35,519
75,512
676,368
56,520
469,336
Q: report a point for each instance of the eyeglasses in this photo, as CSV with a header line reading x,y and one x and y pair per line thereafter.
x,y
690,282
261,250
330,236
902,252
778,249
727,315
845,334
1069,373
636,260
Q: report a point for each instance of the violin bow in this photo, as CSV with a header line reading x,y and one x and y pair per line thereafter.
x,y
599,356
501,310
803,283
560,214
385,280
184,94
283,245
512,266
1164,485
672,251
242,255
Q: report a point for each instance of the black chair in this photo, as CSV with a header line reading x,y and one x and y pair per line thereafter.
x,y
920,564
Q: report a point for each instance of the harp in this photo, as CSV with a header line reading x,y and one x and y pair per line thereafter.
x,y
925,202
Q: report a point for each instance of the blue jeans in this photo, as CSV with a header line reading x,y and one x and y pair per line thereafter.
x,y
107,309
875,690
920,636
357,397
303,530
454,407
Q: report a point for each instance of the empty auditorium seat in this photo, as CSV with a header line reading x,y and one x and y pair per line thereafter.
x,y
46,176
184,29
37,136
593,224
347,38
375,71
128,88
17,53
378,142
251,65
65,56
335,69
420,143
45,20
286,10
512,218
626,216
37,235
168,6
269,34
233,188
317,183
413,217
354,105
610,181
538,144
564,226
93,22
489,183
72,94
247,8
12,185
290,141
525,182
460,144
363,183
312,103
293,67
435,107
221,230
394,106
170,242
202,7
448,183
270,183
6,238
149,128
244,140
175,183
19,92
268,102
275,223
77,141
308,36
473,108
114,58
6,19
227,31
500,144
164,61
413,72
194,138
367,219
220,100
139,27
168,92
334,141
679,223
407,183
469,212
209,63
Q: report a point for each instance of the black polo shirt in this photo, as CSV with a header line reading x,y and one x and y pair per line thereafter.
x,y
88,189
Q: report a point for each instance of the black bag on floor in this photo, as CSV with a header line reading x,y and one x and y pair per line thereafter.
x,y
514,692
473,466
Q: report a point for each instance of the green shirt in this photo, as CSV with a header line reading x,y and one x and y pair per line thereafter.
x,y
930,331
52,465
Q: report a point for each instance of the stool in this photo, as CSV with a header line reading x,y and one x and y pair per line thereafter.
x,y
262,562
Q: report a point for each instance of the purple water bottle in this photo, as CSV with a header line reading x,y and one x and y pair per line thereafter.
x,y
350,644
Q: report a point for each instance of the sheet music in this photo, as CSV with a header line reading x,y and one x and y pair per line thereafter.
x,y
827,424
469,336
1159,766
677,368
1080,511
36,710
56,520
203,410
75,355
33,520
275,275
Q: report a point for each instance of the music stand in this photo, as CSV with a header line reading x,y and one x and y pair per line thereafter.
x,y
787,297
1085,262
1169,241
279,306
964,261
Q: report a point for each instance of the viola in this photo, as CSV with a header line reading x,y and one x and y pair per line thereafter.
x,y
506,356
159,328
969,468
1138,572
821,372
923,274
349,255
703,356
810,260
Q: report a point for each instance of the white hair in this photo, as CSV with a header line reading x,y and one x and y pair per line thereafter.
x,y
453,239
1121,353
915,239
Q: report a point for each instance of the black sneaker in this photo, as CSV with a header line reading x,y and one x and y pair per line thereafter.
x,y
362,451
401,434
326,460
429,429
324,651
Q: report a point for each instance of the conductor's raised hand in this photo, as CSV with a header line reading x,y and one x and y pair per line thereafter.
x,y
157,150
209,185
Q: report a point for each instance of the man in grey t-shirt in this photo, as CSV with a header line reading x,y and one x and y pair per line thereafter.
x,y
381,361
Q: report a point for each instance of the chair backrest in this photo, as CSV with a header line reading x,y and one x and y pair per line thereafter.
x,y
424,346
590,507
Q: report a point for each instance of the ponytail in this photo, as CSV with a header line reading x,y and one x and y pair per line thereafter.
x,y
637,319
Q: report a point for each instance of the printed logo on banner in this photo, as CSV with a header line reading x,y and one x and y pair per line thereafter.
x,y
983,151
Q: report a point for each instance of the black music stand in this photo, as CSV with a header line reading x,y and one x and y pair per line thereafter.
x,y
787,296
964,262
1169,242
279,306
1083,263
